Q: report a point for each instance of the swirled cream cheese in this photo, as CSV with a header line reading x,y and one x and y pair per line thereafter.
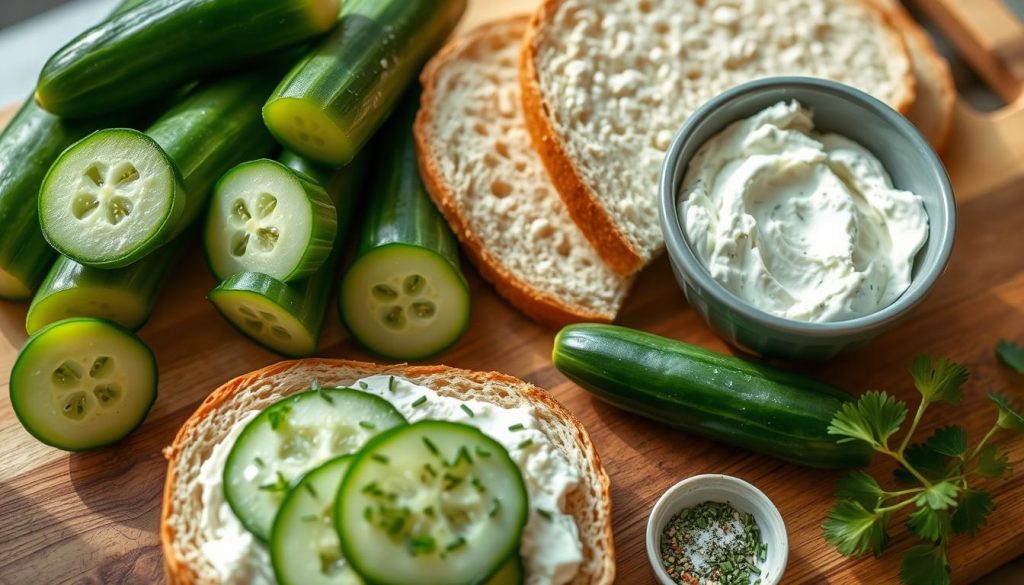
x,y
551,549
803,225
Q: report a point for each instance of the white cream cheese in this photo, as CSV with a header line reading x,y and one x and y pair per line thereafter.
x,y
551,550
803,225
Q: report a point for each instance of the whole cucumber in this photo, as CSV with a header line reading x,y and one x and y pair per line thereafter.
x,y
139,55
720,397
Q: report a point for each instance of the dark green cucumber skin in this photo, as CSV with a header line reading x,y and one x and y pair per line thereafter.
x,y
215,128
29,144
308,299
741,403
144,278
139,55
399,210
358,74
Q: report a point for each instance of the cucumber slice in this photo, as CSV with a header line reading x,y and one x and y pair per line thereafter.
x,y
291,437
431,502
404,297
284,318
304,546
109,198
123,295
404,302
333,101
83,383
267,218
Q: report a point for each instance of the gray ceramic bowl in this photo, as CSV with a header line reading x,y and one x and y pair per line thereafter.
x,y
908,158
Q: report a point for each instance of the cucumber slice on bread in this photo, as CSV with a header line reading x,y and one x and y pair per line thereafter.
x,y
431,502
83,383
292,437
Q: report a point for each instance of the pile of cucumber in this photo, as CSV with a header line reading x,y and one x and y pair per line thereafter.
x,y
155,126
342,489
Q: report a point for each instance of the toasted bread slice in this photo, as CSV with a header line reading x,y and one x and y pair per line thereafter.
x,y
932,110
482,172
180,533
607,83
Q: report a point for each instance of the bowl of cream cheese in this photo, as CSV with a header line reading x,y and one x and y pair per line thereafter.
x,y
803,217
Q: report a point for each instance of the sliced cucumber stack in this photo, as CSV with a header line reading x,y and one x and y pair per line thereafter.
x,y
333,101
287,317
304,546
123,295
290,438
431,502
118,194
80,384
404,297
267,218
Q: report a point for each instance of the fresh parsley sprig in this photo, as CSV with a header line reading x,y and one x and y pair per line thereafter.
x,y
937,473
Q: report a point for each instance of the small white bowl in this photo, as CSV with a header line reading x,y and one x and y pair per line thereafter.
x,y
721,488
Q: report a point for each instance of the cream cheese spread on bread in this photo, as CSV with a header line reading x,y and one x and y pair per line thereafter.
x,y
800,224
550,545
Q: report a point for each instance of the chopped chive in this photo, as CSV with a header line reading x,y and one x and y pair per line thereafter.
x,y
428,511
525,444
478,485
259,462
312,490
467,410
431,446
278,415
545,514
391,383
368,513
367,424
419,401
363,385
495,508
380,458
517,427
456,544
430,470
451,481
310,518
481,453
463,454
280,485
421,544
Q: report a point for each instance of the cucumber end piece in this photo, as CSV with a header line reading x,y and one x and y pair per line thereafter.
x,y
309,131
116,305
264,321
82,384
404,302
110,199
13,288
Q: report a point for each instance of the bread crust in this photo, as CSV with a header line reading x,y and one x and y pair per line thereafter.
x,y
596,223
584,208
178,571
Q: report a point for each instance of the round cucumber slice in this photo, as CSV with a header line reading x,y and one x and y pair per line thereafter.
x,y
83,383
290,438
404,302
269,312
267,218
110,199
431,502
308,129
304,546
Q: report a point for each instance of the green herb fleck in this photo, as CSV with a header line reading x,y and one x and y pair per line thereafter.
x,y
419,401
380,458
546,514
367,425
467,410
517,427
711,542
391,383
431,446
495,508
279,485
455,544
312,490
363,385
525,444
482,453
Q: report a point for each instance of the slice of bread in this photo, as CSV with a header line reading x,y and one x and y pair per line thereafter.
x,y
482,172
180,533
607,83
932,110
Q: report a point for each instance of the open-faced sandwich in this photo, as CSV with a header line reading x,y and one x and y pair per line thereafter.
x,y
327,471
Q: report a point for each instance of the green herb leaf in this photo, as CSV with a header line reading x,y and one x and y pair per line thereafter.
x,y
939,381
939,496
1009,417
859,487
990,464
278,415
932,465
853,529
950,441
1011,354
925,564
929,524
972,512
873,418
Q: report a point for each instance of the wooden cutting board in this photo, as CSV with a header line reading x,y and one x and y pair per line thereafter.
x,y
93,517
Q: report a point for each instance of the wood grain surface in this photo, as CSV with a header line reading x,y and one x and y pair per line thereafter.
x,y
93,517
